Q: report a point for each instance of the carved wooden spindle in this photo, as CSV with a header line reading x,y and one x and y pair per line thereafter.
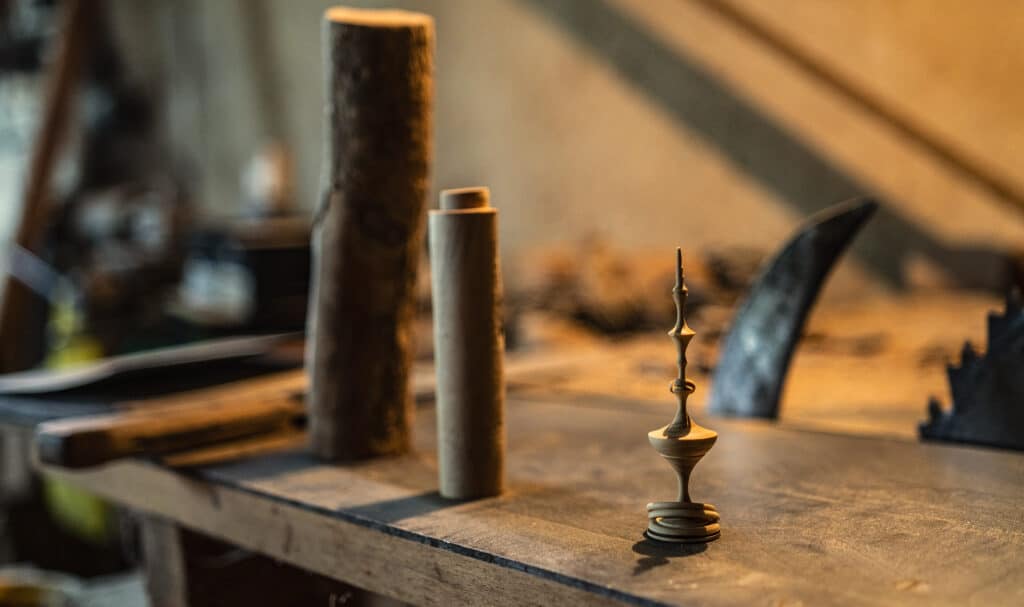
x,y
682,443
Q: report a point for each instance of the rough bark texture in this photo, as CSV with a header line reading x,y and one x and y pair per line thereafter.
x,y
468,345
368,230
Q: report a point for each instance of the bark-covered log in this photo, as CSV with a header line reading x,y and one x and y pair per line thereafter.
x,y
368,230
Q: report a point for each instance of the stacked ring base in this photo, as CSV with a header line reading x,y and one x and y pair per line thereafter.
x,y
682,522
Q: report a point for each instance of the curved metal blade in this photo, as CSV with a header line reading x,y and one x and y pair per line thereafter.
x,y
755,356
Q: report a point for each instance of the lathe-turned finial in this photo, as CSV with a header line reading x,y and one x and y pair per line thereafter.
x,y
682,443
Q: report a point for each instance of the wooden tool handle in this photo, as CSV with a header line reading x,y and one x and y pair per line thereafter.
x,y
90,441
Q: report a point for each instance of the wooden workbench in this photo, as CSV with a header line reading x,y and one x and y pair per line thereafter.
x,y
808,517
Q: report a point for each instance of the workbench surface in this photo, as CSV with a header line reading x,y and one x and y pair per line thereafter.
x,y
807,517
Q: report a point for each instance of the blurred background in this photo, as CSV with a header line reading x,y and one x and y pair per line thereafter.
x,y
182,160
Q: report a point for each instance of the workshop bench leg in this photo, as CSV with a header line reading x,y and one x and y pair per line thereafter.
x,y
183,568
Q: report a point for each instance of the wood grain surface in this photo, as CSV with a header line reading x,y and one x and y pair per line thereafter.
x,y
807,518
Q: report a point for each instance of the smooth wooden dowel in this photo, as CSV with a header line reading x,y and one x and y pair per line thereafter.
x,y
468,344
368,230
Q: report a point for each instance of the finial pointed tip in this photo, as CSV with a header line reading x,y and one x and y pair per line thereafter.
x,y
679,267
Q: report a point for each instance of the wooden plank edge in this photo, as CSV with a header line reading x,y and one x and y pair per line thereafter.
x,y
371,555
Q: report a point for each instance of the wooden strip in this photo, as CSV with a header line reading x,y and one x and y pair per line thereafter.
x,y
16,300
90,441
403,566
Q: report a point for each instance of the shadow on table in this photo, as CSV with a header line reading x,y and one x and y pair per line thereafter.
x,y
263,468
390,511
654,554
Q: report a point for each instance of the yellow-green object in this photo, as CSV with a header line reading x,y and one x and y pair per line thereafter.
x,y
69,343
77,350
79,512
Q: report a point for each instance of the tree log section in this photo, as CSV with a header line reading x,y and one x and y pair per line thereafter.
x,y
368,230
468,344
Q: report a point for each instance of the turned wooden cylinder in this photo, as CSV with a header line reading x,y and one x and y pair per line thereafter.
x,y
368,230
469,344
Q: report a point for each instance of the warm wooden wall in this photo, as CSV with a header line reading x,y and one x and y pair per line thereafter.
x,y
651,122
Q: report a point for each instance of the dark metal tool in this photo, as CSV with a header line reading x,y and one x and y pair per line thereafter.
x,y
752,367
987,389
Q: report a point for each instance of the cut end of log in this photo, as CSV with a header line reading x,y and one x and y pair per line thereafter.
x,y
390,18
465,198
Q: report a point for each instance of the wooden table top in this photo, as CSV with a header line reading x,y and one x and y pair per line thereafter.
x,y
807,517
